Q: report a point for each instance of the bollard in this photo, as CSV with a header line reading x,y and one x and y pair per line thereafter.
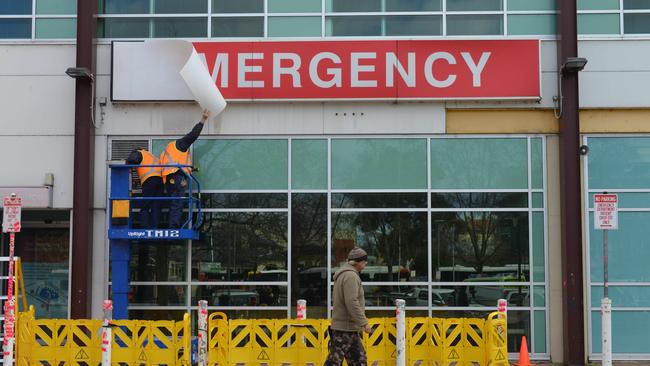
x,y
606,309
400,341
502,307
301,310
107,333
203,332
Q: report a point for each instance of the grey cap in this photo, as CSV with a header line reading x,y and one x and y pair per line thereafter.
x,y
358,255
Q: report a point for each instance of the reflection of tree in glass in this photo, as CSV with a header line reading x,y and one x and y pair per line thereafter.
x,y
395,239
245,242
309,247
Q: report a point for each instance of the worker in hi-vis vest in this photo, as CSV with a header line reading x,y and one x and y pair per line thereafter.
x,y
152,185
177,152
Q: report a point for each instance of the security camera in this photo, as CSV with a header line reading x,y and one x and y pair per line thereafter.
x,y
584,150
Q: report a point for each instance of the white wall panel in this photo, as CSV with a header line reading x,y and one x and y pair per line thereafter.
x,y
36,59
28,158
37,105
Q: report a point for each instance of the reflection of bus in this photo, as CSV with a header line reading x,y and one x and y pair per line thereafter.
x,y
380,273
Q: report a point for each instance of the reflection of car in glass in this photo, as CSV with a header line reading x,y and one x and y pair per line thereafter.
x,y
235,298
419,297
268,275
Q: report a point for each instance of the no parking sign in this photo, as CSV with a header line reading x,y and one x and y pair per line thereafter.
x,y
11,214
606,211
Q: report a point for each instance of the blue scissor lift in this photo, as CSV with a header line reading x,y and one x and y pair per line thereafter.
x,y
121,230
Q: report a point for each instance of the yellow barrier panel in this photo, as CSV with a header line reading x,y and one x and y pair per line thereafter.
x,y
430,342
77,342
496,328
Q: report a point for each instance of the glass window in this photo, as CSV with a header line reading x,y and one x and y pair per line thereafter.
x,y
344,6
45,260
518,5
379,163
244,200
540,331
379,200
480,246
180,27
250,246
181,6
353,26
467,25
539,296
396,243
16,7
386,295
479,200
56,7
239,6
124,7
479,163
624,265
413,5
15,28
538,200
294,6
242,164
478,295
159,295
619,162
474,5
622,296
598,4
238,27
273,295
122,28
308,163
599,24
636,4
636,23
534,24
626,327
538,247
309,251
537,164
56,28
147,256
414,25
294,26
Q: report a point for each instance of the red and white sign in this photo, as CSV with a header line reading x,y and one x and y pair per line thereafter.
x,y
11,214
606,211
342,70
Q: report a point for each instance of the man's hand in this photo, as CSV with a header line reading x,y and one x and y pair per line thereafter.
x,y
205,116
367,328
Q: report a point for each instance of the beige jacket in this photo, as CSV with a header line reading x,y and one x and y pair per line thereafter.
x,y
348,301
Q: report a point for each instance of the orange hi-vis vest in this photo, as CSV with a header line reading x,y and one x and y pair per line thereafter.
x,y
172,156
147,172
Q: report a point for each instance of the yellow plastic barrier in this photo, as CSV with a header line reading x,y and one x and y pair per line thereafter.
x,y
429,342
77,342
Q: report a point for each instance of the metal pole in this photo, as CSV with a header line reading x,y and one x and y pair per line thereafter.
x,y
606,308
107,336
203,332
400,341
9,338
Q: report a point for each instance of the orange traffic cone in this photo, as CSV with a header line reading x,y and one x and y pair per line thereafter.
x,y
524,359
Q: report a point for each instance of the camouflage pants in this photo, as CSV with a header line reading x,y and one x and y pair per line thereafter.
x,y
346,345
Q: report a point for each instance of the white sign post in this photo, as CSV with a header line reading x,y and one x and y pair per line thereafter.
x,y
107,337
605,219
400,337
203,332
10,223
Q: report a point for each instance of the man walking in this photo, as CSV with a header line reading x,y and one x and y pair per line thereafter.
x,y
348,314
177,153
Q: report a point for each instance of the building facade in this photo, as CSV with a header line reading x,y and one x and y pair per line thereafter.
x,y
456,200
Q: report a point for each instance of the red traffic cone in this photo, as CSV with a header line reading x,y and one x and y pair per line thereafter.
x,y
524,359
